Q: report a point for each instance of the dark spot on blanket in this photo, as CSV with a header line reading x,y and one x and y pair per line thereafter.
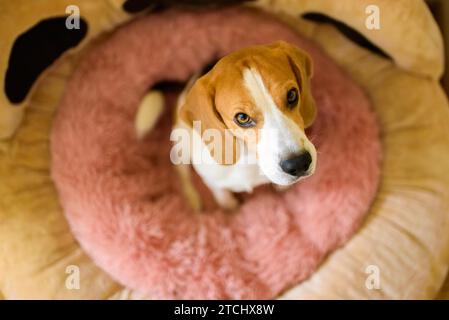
x,y
35,50
134,6
168,86
347,31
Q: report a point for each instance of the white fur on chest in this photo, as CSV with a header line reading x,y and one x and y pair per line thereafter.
x,y
242,176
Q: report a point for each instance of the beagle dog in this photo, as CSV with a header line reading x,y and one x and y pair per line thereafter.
x,y
245,122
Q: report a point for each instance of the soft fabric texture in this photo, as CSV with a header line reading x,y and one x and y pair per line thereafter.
x,y
17,17
405,234
402,21
122,197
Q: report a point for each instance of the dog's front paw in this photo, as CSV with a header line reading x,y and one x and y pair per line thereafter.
x,y
226,199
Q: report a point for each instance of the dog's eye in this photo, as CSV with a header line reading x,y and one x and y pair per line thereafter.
x,y
243,120
292,97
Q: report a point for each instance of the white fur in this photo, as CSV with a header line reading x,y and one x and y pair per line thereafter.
x,y
242,176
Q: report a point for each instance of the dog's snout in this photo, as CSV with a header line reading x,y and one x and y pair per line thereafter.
x,y
298,165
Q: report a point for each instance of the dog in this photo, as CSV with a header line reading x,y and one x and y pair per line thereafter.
x,y
264,90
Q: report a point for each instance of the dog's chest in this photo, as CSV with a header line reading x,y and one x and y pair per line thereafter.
x,y
242,176
237,177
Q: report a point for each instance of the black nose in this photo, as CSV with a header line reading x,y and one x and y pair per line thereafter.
x,y
298,165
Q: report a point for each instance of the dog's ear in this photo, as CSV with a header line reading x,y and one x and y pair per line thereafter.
x,y
200,112
302,67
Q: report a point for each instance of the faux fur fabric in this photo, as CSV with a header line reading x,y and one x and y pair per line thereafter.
x,y
121,196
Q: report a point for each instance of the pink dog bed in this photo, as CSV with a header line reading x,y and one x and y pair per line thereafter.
x,y
122,197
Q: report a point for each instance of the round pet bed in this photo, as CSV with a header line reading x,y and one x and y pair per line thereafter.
x,y
405,234
120,194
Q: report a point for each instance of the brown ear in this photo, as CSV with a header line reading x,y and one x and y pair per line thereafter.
x,y
302,66
200,112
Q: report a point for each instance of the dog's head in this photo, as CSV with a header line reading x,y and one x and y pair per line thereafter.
x,y
262,95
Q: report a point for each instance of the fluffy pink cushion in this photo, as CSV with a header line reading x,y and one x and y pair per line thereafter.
x,y
121,195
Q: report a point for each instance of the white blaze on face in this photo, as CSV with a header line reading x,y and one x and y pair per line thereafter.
x,y
280,138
